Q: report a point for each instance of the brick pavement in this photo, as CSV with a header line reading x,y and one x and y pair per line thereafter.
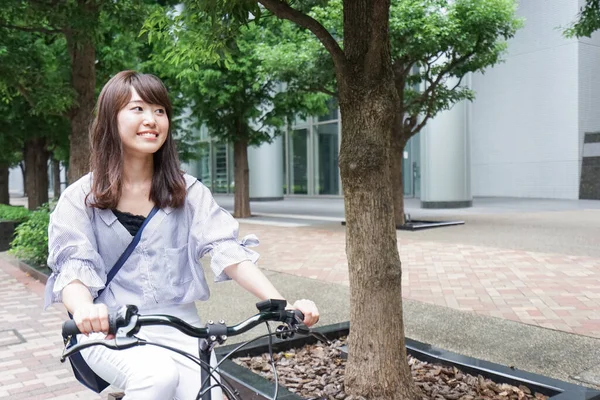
x,y
30,343
550,290
554,291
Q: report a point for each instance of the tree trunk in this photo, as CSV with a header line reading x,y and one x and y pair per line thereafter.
x,y
83,79
241,203
36,161
23,168
396,158
377,366
373,259
4,193
56,177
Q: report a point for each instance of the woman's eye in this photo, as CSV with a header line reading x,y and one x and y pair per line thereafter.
x,y
160,111
137,108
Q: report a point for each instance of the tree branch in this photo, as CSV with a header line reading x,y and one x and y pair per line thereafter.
x,y
51,3
458,84
434,83
26,96
428,115
284,11
413,131
319,89
32,29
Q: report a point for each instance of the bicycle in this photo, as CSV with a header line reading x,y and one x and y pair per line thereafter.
x,y
126,322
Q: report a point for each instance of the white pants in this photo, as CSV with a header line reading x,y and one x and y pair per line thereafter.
x,y
149,372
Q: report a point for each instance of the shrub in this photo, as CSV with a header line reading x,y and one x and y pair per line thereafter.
x,y
13,213
31,237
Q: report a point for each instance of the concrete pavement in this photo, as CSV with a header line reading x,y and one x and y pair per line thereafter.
x,y
518,284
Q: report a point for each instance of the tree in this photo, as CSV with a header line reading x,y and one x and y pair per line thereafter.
x,y
34,102
434,45
238,100
588,20
28,136
11,154
88,30
75,21
367,98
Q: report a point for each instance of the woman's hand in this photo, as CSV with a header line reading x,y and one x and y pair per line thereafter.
x,y
91,318
309,309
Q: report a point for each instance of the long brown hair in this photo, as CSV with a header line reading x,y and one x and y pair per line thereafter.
x,y
106,160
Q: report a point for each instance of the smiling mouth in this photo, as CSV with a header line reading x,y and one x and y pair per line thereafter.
x,y
152,135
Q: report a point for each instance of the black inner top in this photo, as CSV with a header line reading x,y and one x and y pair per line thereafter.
x,y
131,222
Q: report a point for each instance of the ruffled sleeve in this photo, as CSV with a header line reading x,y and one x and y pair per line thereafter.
x,y
215,232
72,248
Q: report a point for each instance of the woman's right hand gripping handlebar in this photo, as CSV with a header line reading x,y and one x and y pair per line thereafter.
x,y
88,316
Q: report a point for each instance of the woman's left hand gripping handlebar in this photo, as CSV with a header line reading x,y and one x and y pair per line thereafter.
x,y
309,309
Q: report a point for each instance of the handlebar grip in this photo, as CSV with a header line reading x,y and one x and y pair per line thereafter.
x,y
70,328
299,315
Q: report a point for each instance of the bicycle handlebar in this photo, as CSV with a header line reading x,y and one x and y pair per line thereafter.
x,y
127,316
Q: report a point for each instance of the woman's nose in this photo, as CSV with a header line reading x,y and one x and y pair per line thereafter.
x,y
149,121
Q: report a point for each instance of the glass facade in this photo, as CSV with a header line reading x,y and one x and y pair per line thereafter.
x,y
297,143
310,152
411,167
326,152
215,167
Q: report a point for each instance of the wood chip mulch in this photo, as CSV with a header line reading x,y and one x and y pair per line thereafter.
x,y
317,372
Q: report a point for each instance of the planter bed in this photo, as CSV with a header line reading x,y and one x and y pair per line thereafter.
x,y
255,387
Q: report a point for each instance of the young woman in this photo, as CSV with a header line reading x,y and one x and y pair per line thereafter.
x,y
134,167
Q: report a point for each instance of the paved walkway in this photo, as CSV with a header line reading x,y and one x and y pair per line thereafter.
x,y
30,343
556,290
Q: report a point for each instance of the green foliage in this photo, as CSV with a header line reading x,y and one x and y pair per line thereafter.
x,y
20,122
588,20
31,237
435,44
36,67
13,213
226,84
32,65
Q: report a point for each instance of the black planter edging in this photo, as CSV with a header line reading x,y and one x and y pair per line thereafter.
x,y
417,225
248,382
7,233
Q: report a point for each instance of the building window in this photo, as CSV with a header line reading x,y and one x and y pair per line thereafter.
x,y
298,161
326,155
312,151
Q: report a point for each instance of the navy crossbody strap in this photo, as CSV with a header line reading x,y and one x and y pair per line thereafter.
x,y
128,250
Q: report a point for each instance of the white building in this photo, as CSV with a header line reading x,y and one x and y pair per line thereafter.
x,y
523,136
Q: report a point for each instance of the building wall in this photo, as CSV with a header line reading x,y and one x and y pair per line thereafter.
x,y
589,86
526,119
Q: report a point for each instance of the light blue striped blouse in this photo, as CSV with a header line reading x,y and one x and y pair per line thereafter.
x,y
85,242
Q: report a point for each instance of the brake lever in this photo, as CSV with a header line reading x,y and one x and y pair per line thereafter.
x,y
130,329
117,343
297,324
320,337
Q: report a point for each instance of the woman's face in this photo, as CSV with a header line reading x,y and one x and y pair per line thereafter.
x,y
143,127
